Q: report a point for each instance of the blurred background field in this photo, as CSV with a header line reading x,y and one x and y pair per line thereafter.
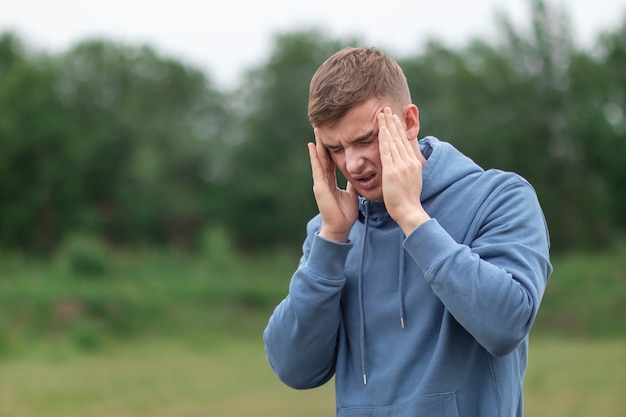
x,y
565,379
150,220
65,303
164,334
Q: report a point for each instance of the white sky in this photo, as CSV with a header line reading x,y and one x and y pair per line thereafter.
x,y
226,37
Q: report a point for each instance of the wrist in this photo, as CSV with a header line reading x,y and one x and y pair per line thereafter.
x,y
412,222
339,237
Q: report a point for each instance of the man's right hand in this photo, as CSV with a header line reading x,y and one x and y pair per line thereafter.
x,y
339,208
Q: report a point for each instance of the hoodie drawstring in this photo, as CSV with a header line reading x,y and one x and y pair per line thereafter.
x,y
360,290
401,280
360,294
366,204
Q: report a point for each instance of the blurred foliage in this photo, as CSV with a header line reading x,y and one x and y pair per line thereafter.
x,y
524,105
268,184
167,295
119,143
143,293
105,139
586,295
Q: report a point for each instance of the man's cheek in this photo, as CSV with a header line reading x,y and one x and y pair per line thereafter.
x,y
340,163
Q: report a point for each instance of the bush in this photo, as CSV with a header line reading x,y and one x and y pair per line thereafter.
x,y
84,256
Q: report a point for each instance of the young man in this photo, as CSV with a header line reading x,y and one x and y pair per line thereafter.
x,y
418,283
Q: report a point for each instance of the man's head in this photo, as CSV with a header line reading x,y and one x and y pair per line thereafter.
x,y
348,92
349,78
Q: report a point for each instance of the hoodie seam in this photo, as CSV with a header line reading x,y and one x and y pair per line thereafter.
x,y
495,384
434,265
339,279
514,181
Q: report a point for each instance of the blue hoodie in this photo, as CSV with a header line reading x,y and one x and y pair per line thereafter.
x,y
432,324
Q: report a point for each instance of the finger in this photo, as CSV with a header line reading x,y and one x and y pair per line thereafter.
x,y
322,153
327,165
398,135
402,135
313,155
350,189
316,167
383,141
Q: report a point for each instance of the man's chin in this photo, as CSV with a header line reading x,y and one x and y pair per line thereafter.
x,y
372,195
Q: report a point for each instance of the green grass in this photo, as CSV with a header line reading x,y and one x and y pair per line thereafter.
x,y
91,297
133,295
94,332
576,378
157,380
232,379
586,296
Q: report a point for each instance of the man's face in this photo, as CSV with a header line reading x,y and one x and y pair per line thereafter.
x,y
352,144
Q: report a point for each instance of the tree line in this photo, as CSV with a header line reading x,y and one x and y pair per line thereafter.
x,y
119,142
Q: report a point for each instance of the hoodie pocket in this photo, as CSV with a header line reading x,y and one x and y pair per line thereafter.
x,y
434,405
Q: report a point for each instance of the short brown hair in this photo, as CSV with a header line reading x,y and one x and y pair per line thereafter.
x,y
350,77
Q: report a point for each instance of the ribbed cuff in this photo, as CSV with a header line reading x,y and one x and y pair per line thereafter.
x,y
428,243
326,258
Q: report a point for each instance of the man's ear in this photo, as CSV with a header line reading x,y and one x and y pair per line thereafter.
x,y
411,120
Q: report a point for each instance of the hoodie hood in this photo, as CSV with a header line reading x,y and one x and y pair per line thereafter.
x,y
444,166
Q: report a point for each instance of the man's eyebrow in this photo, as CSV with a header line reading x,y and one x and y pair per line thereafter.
x,y
361,138
332,147
364,136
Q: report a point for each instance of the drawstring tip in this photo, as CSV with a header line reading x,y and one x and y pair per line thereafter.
x,y
402,322
364,379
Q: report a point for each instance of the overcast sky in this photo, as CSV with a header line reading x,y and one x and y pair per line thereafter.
x,y
226,37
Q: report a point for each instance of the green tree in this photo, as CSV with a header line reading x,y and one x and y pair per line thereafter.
x,y
117,141
107,139
11,51
269,178
148,124
509,105
37,162
598,115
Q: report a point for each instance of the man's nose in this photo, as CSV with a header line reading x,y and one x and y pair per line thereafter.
x,y
354,161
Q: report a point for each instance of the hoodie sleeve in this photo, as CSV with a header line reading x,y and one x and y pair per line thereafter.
x,y
301,336
494,284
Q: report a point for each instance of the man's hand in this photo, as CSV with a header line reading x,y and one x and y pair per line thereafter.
x,y
339,208
402,173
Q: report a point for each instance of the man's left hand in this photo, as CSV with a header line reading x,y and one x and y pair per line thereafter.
x,y
402,173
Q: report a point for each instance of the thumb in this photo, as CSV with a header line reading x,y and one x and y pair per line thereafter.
x,y
351,190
